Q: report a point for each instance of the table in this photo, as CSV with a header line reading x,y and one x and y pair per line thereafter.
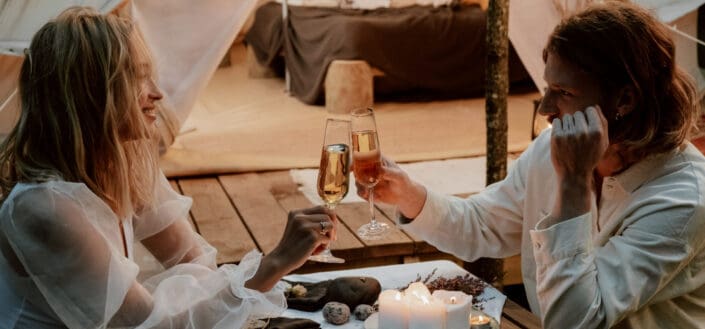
x,y
237,213
495,303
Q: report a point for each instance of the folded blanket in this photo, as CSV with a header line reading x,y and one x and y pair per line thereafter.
x,y
374,4
289,323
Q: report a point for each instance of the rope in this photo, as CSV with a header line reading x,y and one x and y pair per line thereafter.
x,y
686,35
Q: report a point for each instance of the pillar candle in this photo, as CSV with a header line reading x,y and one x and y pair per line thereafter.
x,y
426,312
393,310
457,305
417,290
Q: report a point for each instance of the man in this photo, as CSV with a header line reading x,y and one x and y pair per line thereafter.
x,y
606,208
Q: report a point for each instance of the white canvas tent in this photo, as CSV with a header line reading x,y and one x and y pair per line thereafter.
x,y
189,39
531,22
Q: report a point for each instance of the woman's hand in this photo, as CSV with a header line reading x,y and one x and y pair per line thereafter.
x,y
307,232
396,188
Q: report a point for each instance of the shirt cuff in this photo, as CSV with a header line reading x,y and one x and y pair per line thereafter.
x,y
424,213
563,240
267,304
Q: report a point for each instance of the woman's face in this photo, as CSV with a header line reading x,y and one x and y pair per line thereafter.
x,y
569,89
149,94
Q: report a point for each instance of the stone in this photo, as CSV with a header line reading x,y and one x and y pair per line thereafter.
x,y
336,313
363,311
354,291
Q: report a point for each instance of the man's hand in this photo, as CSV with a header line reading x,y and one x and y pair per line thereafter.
x,y
578,143
396,188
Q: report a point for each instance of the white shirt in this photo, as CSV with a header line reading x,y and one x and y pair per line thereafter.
x,y
636,261
69,242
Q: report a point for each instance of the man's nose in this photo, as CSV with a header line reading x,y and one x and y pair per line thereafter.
x,y
547,106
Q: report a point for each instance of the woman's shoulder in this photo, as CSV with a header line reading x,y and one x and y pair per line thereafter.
x,y
39,197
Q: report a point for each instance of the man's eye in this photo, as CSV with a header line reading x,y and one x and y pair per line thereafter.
x,y
565,93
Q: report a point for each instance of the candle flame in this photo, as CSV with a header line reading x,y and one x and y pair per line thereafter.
x,y
452,300
397,296
479,319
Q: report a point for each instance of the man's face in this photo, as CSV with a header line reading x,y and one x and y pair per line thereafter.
x,y
569,89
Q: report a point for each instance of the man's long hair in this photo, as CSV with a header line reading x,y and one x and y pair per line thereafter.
x,y
621,44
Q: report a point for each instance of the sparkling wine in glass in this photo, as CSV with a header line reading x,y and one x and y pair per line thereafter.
x,y
367,166
334,173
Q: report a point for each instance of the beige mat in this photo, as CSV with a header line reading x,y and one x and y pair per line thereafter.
x,y
450,177
242,124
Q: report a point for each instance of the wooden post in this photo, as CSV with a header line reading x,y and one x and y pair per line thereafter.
x,y
348,85
496,90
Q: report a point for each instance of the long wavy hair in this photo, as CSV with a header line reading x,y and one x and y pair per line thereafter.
x,y
80,119
621,44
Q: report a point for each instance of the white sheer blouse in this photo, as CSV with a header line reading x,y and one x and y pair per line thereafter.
x,y
69,243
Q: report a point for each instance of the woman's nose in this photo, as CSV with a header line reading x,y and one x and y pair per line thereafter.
x,y
154,92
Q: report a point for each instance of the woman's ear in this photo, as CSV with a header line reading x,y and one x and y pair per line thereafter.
x,y
626,100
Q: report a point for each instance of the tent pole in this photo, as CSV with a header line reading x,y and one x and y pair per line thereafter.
x,y
496,90
285,27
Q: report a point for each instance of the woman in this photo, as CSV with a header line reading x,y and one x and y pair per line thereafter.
x,y
607,208
80,184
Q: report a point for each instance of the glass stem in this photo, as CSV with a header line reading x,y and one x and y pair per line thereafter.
x,y
371,194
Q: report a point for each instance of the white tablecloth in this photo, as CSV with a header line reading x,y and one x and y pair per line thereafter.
x,y
397,276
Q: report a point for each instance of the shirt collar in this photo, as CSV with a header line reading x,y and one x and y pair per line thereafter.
x,y
639,173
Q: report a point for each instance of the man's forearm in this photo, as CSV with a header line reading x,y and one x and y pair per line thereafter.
x,y
572,200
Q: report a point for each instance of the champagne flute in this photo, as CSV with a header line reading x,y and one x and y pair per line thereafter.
x,y
367,166
334,173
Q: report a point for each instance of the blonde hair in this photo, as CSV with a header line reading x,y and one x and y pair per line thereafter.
x,y
81,120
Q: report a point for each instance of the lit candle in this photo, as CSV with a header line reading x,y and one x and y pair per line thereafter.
x,y
424,311
457,305
393,310
479,321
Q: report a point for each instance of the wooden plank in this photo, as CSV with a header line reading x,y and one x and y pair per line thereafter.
x,y
175,185
260,211
396,243
512,270
353,215
420,245
217,220
508,324
520,315
286,191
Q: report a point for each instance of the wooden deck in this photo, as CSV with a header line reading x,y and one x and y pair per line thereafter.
x,y
240,212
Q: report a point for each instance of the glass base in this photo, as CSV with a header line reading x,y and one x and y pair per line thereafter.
x,y
326,257
373,232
